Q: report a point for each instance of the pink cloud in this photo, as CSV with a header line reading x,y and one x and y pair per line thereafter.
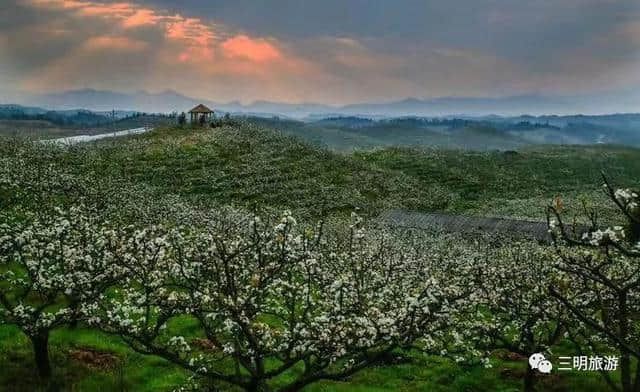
x,y
115,43
59,4
196,40
256,50
196,55
129,14
115,10
183,50
190,31
142,17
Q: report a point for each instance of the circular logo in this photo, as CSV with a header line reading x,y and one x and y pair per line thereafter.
x,y
538,361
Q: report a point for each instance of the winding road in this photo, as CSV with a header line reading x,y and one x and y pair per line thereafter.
x,y
69,140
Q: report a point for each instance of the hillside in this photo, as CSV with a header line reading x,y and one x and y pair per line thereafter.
x,y
468,133
512,184
184,177
248,166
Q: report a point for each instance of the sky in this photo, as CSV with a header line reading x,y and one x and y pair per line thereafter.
x,y
330,51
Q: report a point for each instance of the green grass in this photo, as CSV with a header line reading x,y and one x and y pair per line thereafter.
x,y
135,372
132,372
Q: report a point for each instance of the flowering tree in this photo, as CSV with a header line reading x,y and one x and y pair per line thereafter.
x,y
515,311
274,299
50,266
604,266
28,176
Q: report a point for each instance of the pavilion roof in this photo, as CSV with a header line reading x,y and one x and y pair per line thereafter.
x,y
201,109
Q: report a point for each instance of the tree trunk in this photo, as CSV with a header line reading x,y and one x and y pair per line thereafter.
x,y
625,360
529,379
259,386
41,353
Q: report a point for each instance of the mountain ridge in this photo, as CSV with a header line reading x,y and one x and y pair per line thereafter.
x,y
170,100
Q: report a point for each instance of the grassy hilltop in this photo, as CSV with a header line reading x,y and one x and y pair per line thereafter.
x,y
248,167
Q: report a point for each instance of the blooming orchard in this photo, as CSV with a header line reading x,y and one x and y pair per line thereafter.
x,y
603,292
515,312
50,267
269,303
267,298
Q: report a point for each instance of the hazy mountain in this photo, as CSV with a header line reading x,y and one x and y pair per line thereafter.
x,y
28,110
348,131
168,101
100,100
462,105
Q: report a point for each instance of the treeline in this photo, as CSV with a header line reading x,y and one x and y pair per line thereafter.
x,y
456,123
421,122
80,118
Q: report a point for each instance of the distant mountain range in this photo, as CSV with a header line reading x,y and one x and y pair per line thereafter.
x,y
348,132
169,101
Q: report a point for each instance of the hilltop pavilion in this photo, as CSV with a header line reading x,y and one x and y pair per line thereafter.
x,y
201,111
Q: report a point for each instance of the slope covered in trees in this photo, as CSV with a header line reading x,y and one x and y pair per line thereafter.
x,y
237,258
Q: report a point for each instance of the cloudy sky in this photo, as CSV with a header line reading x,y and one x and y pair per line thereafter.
x,y
330,51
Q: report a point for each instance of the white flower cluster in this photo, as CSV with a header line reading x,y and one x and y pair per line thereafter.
x,y
628,198
64,261
179,344
281,291
261,292
599,237
600,278
517,312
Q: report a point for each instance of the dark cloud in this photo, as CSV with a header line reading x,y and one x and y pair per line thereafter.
x,y
336,51
462,23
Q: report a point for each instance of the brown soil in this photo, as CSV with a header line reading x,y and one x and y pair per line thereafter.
x,y
94,359
204,344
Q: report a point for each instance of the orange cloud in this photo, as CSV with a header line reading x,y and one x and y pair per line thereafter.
x,y
115,10
190,30
257,50
197,41
115,43
130,15
142,17
182,47
193,39
56,4
195,54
